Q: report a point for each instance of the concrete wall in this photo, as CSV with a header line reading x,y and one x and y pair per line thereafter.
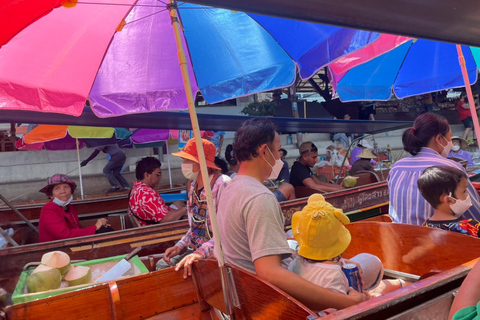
x,y
23,173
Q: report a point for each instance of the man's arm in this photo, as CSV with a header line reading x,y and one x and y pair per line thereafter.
x,y
92,156
314,183
269,268
469,293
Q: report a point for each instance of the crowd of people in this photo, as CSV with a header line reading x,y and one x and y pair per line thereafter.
x,y
426,188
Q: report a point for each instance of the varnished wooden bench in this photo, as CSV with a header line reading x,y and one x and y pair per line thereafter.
x,y
257,299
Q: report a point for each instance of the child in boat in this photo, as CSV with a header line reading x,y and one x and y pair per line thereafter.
x,y
322,238
445,188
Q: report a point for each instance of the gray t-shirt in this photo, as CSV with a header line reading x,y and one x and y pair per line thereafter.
x,y
251,223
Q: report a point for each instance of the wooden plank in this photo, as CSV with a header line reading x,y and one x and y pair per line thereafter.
x,y
155,293
412,249
93,303
348,200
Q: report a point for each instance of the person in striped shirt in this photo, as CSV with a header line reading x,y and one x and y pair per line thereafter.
x,y
428,142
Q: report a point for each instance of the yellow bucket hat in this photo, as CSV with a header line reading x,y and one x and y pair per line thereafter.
x,y
319,230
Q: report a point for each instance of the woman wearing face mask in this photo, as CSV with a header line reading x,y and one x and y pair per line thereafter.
x,y
197,210
58,219
445,188
429,143
458,150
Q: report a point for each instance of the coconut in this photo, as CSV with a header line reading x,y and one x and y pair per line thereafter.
x,y
43,278
78,275
58,260
349,181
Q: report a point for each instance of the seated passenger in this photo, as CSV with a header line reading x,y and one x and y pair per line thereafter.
x,y
322,238
362,145
58,219
445,189
363,163
232,162
145,204
458,150
284,175
301,174
198,212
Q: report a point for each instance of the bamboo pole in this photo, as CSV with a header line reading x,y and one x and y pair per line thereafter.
x,y
471,101
79,169
182,59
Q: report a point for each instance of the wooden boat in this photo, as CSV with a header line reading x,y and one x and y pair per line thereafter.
x,y
157,238
94,206
409,252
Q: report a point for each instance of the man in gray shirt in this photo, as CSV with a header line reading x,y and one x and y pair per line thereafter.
x,y
251,222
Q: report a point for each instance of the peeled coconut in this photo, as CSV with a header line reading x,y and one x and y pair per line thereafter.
x,y
58,260
43,278
349,182
78,275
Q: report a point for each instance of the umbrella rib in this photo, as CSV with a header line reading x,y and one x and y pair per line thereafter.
x,y
118,4
146,16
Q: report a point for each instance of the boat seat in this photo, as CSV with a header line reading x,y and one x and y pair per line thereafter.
x,y
257,299
366,177
304,192
25,235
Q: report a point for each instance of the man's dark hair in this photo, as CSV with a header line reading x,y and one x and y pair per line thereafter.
x,y
437,181
284,151
148,165
252,134
222,164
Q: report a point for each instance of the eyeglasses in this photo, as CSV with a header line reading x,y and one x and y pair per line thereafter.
x,y
313,148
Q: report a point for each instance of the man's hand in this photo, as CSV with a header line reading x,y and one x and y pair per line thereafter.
x,y
101,222
357,296
186,263
170,253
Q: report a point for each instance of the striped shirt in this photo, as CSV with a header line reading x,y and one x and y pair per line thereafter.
x,y
463,155
406,203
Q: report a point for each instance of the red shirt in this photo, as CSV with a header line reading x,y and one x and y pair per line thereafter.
x,y
56,224
463,113
146,203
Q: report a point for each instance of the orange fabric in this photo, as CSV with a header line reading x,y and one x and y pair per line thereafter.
x,y
45,132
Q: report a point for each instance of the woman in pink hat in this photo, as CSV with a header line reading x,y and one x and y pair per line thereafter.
x,y
198,217
58,219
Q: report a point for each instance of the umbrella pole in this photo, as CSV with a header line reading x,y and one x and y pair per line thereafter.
x,y
471,102
79,168
182,60
168,162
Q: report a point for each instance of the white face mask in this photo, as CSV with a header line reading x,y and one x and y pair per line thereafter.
x,y
456,148
276,168
61,203
460,206
187,170
447,148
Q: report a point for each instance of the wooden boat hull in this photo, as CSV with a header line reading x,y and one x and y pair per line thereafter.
x,y
86,208
165,295
153,239
355,201
157,238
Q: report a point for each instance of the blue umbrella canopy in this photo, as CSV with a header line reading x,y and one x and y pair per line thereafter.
x,y
414,68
